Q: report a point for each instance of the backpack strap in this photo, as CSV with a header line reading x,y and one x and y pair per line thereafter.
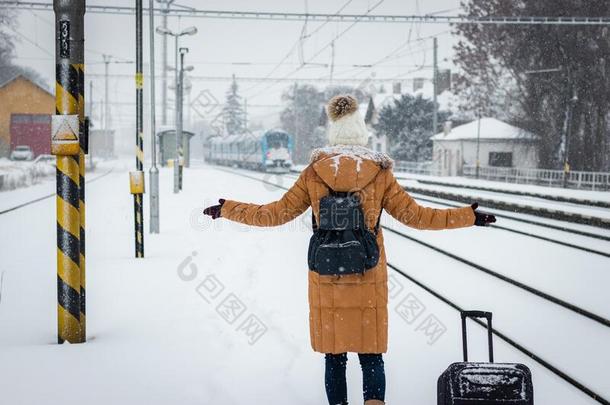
x,y
341,194
314,226
377,224
378,221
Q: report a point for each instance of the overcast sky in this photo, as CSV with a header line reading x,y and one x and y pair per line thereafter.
x,y
221,43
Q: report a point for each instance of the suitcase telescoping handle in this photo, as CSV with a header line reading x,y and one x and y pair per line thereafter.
x,y
477,314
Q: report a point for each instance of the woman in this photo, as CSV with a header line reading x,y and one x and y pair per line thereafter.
x,y
349,313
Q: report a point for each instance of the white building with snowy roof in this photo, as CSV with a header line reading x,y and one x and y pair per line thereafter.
x,y
499,145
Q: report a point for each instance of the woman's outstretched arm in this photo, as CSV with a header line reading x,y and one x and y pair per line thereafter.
x,y
399,204
292,204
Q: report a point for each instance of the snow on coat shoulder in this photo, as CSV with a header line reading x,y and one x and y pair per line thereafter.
x,y
348,167
355,152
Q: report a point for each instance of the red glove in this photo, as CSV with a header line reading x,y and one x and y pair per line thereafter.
x,y
482,218
214,210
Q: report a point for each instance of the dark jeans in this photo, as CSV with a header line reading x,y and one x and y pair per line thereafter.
x,y
373,377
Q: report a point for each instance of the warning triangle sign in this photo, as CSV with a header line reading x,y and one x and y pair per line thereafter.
x,y
65,132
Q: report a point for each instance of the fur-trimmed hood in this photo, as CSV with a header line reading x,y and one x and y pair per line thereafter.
x,y
348,167
362,152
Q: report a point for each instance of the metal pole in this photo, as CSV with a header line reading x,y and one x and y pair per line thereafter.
x,y
566,151
478,145
106,63
246,114
79,57
298,144
164,65
189,121
186,147
69,21
91,117
137,177
179,137
154,172
176,168
332,61
90,112
435,84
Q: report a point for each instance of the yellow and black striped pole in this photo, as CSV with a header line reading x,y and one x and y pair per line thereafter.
x,y
81,192
69,19
137,177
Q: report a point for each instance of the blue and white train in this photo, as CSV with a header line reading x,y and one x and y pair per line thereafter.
x,y
269,151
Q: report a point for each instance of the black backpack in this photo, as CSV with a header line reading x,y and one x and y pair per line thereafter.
x,y
342,244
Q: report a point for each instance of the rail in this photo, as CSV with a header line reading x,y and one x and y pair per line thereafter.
x,y
544,363
47,196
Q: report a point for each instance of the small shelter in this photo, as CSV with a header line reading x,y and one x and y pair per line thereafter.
x,y
167,145
495,143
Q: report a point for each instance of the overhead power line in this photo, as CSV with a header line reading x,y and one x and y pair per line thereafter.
x,y
331,43
345,18
299,42
32,42
255,79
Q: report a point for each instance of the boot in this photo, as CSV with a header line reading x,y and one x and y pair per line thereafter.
x,y
373,402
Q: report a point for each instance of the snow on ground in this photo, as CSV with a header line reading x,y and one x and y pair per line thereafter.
x,y
15,174
501,186
598,212
159,331
515,220
46,185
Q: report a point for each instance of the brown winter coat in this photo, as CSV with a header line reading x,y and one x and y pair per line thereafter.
x,y
349,313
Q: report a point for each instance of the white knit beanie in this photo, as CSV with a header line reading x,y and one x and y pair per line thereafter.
x,y
346,125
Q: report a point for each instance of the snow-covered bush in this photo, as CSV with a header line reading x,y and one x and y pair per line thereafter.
x,y
23,174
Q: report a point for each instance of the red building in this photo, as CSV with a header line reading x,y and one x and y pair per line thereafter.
x,y
33,130
25,107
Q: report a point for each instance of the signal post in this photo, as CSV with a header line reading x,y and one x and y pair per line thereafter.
x,y
65,136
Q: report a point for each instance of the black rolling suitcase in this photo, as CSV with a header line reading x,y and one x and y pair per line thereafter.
x,y
468,383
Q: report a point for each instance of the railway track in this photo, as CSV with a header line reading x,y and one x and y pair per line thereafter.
x,y
45,197
566,305
599,222
544,363
502,214
555,198
531,222
548,297
425,194
533,235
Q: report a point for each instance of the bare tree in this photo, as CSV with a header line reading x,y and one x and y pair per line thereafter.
x,y
495,61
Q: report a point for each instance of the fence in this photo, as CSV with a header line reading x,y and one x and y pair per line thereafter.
x,y
429,168
545,177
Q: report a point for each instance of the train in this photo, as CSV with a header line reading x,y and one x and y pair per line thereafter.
x,y
268,151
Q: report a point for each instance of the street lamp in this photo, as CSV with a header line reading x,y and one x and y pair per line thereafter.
x,y
186,31
478,144
154,171
189,31
179,96
165,12
566,146
184,143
